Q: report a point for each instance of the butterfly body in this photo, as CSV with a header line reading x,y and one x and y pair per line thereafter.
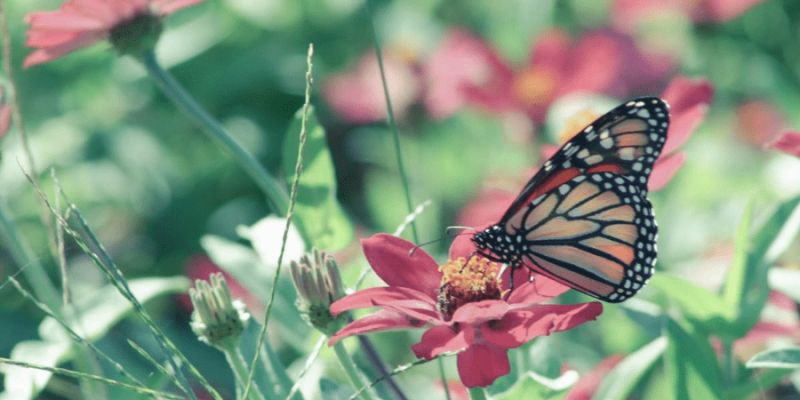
x,y
584,218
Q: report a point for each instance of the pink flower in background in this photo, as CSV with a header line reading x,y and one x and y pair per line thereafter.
x,y
626,15
587,386
358,97
600,62
787,142
462,60
82,23
464,304
758,122
6,111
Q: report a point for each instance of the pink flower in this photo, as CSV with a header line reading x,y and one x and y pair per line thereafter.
x,y
464,304
462,60
358,95
601,62
758,122
787,142
629,14
586,387
82,23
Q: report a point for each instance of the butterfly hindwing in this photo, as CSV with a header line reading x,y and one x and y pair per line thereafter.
x,y
584,218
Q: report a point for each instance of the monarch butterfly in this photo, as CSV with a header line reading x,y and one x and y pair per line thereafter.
x,y
584,218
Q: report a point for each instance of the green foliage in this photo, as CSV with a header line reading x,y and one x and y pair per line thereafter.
x,y
319,216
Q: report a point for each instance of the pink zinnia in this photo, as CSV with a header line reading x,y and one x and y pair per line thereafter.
x,y
601,61
787,142
82,23
465,305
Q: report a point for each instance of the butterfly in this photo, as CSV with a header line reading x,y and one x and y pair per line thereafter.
x,y
584,218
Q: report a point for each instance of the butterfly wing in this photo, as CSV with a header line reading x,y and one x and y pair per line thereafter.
x,y
584,218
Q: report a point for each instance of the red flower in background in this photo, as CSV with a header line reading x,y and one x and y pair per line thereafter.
x,y
758,122
626,15
82,23
787,142
599,62
358,96
587,386
464,304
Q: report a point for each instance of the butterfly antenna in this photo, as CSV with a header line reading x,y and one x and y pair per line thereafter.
x,y
448,234
413,249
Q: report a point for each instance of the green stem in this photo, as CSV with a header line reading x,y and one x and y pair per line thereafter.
x,y
393,127
28,263
239,367
275,191
350,369
477,393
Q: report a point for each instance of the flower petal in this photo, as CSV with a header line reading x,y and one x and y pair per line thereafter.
x,y
520,326
480,312
389,257
51,53
787,142
380,296
166,7
382,320
540,289
480,365
687,99
442,339
664,169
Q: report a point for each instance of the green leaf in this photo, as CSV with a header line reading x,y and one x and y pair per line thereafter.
x,y
621,381
690,365
319,217
533,387
330,390
699,305
771,240
779,358
95,315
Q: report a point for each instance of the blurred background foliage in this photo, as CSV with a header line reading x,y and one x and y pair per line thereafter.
x,y
151,185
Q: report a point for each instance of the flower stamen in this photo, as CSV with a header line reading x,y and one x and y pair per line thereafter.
x,y
467,281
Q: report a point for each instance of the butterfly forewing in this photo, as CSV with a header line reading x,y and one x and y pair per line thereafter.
x,y
584,218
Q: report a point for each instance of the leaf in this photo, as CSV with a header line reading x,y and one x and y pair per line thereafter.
x,y
779,358
96,314
621,381
699,305
690,365
533,386
319,217
330,390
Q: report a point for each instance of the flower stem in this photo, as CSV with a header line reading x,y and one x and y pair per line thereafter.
x,y
393,126
274,189
477,393
239,367
350,369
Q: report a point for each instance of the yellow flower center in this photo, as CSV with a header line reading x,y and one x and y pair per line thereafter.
x,y
534,85
467,281
575,123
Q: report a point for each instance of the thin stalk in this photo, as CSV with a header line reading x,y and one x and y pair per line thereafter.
x,y
350,369
289,213
239,367
393,125
399,156
274,189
